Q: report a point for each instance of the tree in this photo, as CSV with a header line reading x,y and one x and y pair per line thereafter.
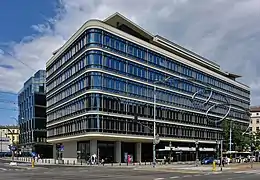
x,y
239,140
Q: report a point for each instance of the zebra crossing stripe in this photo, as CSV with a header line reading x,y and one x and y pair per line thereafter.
x,y
248,172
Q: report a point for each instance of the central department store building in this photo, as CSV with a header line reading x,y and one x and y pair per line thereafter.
x,y
102,79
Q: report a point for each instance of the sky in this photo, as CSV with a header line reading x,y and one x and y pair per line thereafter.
x,y
226,32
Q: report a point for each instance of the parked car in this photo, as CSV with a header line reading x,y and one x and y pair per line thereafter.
x,y
208,160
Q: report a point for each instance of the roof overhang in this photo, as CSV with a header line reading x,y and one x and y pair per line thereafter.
x,y
232,75
117,19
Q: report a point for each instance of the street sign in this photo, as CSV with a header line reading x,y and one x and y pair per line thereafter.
x,y
13,148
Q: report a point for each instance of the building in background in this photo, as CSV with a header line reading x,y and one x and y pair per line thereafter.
x,y
11,132
100,95
32,116
4,145
255,118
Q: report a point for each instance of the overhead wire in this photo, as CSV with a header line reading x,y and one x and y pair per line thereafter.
x,y
17,59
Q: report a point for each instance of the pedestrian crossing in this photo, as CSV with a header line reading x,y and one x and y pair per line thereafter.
x,y
254,171
12,169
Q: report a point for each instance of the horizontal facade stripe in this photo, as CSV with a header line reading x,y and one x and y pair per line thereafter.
x,y
138,81
137,62
100,25
121,137
130,117
147,102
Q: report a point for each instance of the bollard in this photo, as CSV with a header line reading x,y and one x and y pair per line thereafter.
x,y
103,164
112,164
80,162
127,163
214,166
49,161
119,164
68,161
32,163
74,162
133,164
144,162
140,163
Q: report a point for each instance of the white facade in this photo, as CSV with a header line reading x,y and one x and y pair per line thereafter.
x,y
255,119
4,144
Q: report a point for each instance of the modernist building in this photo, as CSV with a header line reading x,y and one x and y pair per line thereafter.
x,y
32,116
100,94
255,119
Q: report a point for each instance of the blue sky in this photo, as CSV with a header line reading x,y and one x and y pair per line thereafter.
x,y
224,31
18,20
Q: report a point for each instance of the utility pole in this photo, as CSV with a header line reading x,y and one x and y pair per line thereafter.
x,y
197,153
154,127
1,141
230,137
221,154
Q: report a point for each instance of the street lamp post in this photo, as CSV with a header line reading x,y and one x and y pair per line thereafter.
x,y
1,141
217,148
251,135
197,153
221,154
155,136
170,158
154,127
220,142
156,139
12,136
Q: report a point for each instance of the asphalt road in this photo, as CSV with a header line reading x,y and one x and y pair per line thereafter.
x,y
24,172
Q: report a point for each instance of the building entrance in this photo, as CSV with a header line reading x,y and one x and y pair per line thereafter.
x,y
105,151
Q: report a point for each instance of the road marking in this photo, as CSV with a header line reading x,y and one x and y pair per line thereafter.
x,y
174,177
230,178
186,176
197,175
207,174
158,178
3,169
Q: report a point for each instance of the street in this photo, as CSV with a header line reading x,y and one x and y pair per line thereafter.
x,y
24,172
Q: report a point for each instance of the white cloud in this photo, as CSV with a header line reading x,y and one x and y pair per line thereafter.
x,y
227,32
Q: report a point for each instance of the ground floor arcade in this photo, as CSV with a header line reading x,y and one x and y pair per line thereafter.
x,y
141,150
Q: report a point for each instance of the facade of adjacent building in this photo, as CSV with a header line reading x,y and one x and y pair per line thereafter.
x,y
11,132
32,116
100,95
255,119
9,135
4,145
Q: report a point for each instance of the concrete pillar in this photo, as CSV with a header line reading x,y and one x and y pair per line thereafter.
x,y
117,152
138,151
54,151
93,147
70,150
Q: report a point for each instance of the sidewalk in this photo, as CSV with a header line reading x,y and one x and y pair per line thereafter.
x,y
187,167
51,162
